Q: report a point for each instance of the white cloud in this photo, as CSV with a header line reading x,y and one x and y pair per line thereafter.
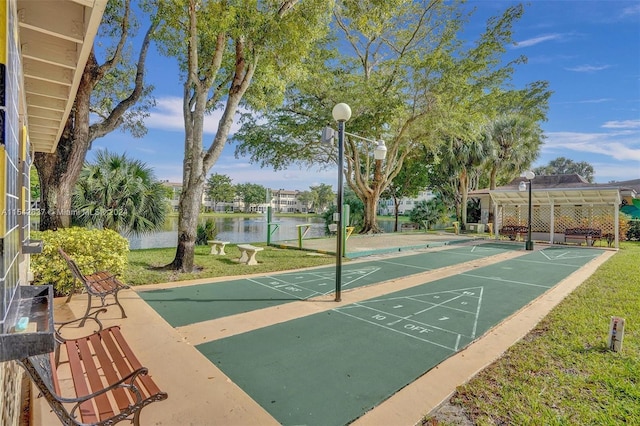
x,y
623,124
536,40
588,68
623,146
631,10
167,115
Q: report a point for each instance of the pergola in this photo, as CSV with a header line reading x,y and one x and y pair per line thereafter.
x,y
549,201
559,202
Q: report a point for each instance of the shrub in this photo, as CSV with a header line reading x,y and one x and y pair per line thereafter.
x,y
92,250
206,231
633,233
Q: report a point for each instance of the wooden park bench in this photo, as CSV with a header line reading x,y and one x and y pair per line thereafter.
x,y
100,284
109,383
588,235
217,247
514,231
248,254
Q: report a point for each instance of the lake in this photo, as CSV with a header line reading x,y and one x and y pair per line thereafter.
x,y
241,230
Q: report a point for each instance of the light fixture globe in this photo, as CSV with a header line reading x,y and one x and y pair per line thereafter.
x,y
380,152
341,112
522,186
528,175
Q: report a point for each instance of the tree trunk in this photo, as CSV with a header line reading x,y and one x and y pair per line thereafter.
x,y
59,171
370,225
396,207
189,208
464,185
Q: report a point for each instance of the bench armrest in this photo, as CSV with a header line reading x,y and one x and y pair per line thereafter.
x,y
92,316
127,382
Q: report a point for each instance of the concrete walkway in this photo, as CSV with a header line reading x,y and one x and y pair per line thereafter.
x,y
200,394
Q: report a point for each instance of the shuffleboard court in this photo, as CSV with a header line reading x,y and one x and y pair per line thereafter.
x,y
184,305
330,368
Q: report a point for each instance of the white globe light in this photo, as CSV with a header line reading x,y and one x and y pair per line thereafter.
x,y
341,112
528,175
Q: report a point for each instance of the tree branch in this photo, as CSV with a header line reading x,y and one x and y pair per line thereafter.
x,y
115,117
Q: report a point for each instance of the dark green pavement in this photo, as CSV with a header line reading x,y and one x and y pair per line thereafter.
x,y
330,368
196,303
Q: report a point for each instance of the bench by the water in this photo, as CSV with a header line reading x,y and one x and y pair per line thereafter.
x,y
217,247
588,235
248,254
109,383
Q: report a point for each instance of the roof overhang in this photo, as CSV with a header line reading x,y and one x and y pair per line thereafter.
x,y
56,38
574,196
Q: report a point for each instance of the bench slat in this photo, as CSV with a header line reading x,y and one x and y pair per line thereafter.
x,y
146,380
95,381
110,374
87,412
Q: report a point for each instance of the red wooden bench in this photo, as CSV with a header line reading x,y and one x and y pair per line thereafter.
x,y
109,383
513,231
100,284
588,235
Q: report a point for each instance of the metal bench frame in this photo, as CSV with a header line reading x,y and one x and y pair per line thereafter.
x,y
100,284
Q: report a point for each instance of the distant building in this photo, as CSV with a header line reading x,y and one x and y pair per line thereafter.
x,y
387,207
281,201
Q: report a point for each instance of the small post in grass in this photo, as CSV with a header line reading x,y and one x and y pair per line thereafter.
x,y
616,334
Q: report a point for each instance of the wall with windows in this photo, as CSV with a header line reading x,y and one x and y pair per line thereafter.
x,y
14,223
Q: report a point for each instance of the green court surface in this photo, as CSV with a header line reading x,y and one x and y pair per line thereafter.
x,y
332,367
196,303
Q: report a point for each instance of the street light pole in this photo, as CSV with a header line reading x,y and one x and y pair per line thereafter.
x,y
341,113
529,175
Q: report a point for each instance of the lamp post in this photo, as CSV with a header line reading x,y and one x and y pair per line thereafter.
x,y
341,113
529,175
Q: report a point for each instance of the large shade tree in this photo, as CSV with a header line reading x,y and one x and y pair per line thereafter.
x,y
400,66
230,52
563,166
112,94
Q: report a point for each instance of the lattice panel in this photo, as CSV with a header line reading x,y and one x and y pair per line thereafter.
x,y
598,217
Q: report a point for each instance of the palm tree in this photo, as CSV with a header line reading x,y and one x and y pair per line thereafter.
x,y
516,142
463,158
120,194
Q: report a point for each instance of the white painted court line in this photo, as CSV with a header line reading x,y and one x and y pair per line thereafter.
x,y
398,331
363,273
456,294
314,293
500,279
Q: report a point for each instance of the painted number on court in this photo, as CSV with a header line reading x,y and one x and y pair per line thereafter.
x,y
417,328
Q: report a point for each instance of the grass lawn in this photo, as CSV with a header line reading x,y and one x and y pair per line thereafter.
x,y
562,372
144,264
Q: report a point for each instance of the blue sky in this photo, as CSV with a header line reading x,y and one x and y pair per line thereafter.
x,y
589,52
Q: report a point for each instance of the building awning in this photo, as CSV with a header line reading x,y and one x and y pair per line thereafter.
x,y
582,196
56,38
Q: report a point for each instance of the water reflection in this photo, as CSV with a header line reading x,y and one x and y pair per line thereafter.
x,y
235,230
